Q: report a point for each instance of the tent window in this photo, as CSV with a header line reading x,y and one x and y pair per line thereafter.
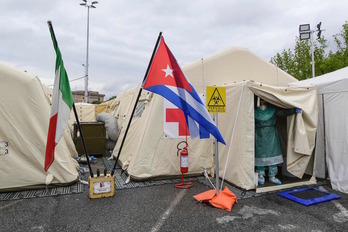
x,y
140,108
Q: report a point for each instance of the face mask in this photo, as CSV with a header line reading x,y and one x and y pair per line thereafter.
x,y
263,107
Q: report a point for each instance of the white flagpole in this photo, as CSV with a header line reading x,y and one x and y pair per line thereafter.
x,y
217,143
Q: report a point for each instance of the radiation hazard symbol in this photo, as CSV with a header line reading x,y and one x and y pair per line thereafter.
x,y
216,99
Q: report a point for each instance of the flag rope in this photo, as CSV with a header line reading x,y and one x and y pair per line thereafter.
x,y
234,126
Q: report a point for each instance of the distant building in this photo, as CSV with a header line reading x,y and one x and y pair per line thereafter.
x,y
93,96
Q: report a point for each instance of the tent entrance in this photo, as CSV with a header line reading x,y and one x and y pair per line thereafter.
x,y
283,175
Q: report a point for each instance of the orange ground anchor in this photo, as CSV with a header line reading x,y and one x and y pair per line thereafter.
x,y
225,200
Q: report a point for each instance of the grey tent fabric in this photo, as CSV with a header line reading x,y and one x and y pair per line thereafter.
x,y
331,144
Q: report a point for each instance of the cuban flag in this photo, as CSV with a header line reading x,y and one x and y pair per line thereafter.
x,y
166,78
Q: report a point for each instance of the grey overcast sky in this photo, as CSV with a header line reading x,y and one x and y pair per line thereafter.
x,y
123,33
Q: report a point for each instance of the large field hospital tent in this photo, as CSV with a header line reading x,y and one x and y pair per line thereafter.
x,y
234,65
25,114
149,153
332,135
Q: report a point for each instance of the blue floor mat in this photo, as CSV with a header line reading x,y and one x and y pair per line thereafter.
x,y
308,196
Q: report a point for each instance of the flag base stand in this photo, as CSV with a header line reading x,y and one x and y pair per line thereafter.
x,y
101,186
183,185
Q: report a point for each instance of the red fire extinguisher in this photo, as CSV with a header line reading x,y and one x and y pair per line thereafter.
x,y
183,166
183,157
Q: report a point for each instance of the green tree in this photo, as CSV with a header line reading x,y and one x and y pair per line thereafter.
x,y
284,60
298,62
320,57
340,57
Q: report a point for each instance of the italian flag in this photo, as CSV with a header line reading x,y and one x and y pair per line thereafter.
x,y
62,102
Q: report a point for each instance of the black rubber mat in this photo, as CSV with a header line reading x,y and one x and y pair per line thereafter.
x,y
34,193
121,177
120,183
309,194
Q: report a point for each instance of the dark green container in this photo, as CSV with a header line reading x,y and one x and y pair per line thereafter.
x,y
94,135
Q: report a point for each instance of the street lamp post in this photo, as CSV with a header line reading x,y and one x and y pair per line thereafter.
x,y
85,4
307,33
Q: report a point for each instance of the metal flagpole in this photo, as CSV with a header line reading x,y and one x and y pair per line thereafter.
x,y
135,105
217,157
86,67
312,48
83,141
204,94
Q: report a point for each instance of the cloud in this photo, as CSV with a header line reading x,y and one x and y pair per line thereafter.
x,y
122,34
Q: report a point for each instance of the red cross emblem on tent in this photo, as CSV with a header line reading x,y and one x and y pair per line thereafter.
x,y
177,115
175,125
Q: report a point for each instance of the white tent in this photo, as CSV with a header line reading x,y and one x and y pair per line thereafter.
x,y
332,135
148,154
85,112
24,114
234,65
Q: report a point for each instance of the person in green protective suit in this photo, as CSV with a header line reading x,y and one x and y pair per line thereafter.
x,y
267,145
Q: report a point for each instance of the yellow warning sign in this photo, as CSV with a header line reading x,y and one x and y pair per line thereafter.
x,y
216,99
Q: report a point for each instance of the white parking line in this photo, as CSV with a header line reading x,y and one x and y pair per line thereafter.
x,y
170,209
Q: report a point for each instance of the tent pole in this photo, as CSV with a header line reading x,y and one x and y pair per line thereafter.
x,y
324,134
83,140
135,105
204,95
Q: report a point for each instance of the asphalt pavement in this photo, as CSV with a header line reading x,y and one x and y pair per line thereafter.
x,y
164,208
